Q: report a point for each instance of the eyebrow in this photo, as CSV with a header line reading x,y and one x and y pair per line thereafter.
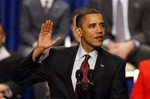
x,y
101,23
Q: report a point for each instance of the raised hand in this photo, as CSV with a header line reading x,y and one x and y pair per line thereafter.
x,y
44,39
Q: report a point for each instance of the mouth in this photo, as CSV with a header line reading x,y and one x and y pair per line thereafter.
x,y
100,38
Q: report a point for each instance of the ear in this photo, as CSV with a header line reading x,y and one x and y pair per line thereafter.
x,y
79,31
3,40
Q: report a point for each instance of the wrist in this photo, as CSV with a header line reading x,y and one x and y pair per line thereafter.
x,y
131,45
37,53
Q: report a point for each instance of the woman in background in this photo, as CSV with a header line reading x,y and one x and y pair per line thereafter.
x,y
141,88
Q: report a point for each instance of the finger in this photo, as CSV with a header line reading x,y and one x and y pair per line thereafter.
x,y
45,28
56,40
42,30
51,27
48,26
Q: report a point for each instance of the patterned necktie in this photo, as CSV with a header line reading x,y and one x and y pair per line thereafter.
x,y
85,67
120,33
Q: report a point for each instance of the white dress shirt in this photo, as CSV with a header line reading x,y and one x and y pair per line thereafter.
x,y
79,59
4,53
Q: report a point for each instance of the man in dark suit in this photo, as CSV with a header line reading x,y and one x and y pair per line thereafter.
x,y
33,13
60,66
136,45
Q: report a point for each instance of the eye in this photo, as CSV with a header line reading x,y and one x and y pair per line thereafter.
x,y
102,24
91,25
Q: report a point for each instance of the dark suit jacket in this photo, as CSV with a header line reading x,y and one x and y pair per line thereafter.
x,y
57,70
138,18
32,16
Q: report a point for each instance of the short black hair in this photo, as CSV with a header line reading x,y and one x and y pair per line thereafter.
x,y
75,13
84,12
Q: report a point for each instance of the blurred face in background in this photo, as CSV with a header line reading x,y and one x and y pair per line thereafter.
x,y
2,36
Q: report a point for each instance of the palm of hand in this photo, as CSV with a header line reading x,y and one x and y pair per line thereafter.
x,y
44,40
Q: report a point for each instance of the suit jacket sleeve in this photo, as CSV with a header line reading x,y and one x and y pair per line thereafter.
x,y
29,72
16,89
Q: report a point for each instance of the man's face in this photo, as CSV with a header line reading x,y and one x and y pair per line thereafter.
x,y
92,31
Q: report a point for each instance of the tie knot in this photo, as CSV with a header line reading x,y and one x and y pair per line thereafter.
x,y
119,3
46,3
87,56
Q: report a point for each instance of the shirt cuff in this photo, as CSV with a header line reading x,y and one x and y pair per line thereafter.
x,y
34,44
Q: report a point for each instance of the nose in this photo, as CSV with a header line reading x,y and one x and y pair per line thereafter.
x,y
99,29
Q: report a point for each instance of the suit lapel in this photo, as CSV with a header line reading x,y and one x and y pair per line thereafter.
x,y
54,8
100,66
110,15
68,71
130,13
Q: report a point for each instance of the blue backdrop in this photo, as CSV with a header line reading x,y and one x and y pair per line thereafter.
x,y
10,16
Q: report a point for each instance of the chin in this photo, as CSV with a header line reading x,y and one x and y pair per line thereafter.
x,y
98,45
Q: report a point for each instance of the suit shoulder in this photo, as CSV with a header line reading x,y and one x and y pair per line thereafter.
x,y
61,3
61,48
27,1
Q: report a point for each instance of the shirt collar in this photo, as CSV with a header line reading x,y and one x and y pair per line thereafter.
x,y
81,52
50,2
4,53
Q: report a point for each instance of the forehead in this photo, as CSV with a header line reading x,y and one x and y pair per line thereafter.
x,y
90,18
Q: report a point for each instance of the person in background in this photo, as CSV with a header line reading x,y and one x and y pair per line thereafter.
x,y
59,68
8,88
141,88
76,37
33,13
131,42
